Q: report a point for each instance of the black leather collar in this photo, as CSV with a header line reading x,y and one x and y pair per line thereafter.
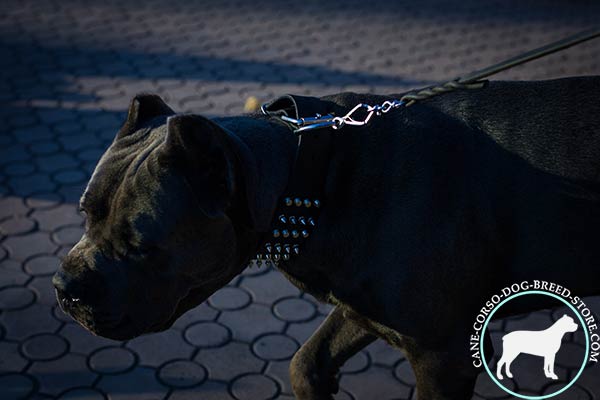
x,y
297,212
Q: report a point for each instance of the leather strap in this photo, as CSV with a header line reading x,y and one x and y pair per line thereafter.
x,y
297,212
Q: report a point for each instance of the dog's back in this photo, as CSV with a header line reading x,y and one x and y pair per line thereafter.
x,y
554,125
461,194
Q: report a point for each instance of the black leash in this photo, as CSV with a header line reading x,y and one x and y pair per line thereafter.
x,y
532,55
473,80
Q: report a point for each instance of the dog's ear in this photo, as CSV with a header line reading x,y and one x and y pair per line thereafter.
x,y
143,108
199,150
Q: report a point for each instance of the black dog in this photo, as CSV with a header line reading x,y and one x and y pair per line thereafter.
x,y
427,212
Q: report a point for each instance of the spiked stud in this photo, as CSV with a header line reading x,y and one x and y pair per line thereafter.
x,y
305,233
259,256
268,256
269,247
311,222
278,248
286,248
282,219
286,257
296,249
297,202
317,203
295,234
288,201
276,233
276,257
302,221
285,233
307,203
292,220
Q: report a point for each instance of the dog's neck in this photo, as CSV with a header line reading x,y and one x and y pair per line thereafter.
x,y
556,327
266,151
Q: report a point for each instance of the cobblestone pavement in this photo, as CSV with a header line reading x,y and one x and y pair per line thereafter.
x,y
68,72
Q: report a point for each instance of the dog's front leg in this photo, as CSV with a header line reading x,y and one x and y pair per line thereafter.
x,y
549,366
314,367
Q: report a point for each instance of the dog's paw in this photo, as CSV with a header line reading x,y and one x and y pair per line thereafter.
x,y
509,374
554,376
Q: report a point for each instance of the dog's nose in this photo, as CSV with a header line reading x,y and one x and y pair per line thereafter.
x,y
60,281
79,284
64,288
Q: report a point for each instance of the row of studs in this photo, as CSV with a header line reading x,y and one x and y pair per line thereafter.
x,y
298,202
286,233
280,252
293,221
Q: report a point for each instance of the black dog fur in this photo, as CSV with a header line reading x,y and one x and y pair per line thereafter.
x,y
428,211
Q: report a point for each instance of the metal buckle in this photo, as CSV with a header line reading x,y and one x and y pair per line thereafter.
x,y
305,124
310,123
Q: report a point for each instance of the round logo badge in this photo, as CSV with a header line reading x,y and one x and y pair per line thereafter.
x,y
535,348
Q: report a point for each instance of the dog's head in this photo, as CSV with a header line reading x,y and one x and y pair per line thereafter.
x,y
567,323
162,232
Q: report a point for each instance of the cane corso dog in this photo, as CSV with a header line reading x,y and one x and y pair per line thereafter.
x,y
427,212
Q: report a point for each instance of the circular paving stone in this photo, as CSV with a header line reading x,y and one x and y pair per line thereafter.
x,y
44,347
42,265
15,226
44,147
19,169
275,347
91,155
42,201
12,298
404,373
207,334
254,387
68,235
68,127
182,374
83,394
70,176
294,310
16,386
112,360
356,363
230,298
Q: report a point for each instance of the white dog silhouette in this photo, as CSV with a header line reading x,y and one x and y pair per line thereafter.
x,y
544,343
